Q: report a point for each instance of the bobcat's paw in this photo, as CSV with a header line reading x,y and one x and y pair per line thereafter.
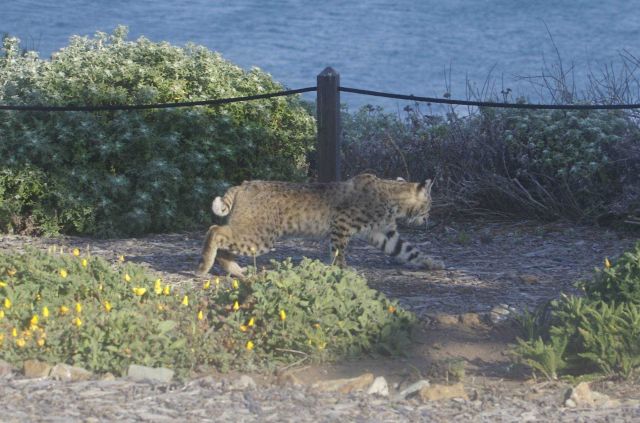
x,y
432,264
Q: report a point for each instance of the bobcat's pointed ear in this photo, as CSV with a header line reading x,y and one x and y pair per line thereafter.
x,y
426,186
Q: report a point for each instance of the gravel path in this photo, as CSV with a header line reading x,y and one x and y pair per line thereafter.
x,y
518,264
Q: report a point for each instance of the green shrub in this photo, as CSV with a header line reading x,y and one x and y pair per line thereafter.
x,y
535,163
619,283
596,333
152,170
73,308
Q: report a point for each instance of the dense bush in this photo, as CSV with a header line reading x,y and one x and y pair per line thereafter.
x,y
66,306
545,164
124,172
596,333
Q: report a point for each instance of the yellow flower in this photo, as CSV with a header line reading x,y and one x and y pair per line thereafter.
x,y
322,345
14,332
78,308
7,303
252,321
185,301
157,287
607,263
84,262
77,322
160,307
217,281
121,258
45,311
21,342
283,315
1,338
34,320
166,290
391,309
235,284
139,291
127,278
100,287
40,342
200,315
38,297
206,284
243,328
64,310
11,272
63,273
2,284
75,252
107,306
236,306
1,314
249,345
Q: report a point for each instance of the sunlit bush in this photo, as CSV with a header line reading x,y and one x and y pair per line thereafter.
x,y
128,172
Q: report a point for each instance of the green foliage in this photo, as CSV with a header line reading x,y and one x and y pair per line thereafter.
x,y
541,356
599,332
152,170
619,283
544,164
73,308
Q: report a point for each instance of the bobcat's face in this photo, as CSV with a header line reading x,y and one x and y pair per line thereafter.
x,y
417,204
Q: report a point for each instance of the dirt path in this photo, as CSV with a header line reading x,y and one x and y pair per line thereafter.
x,y
488,264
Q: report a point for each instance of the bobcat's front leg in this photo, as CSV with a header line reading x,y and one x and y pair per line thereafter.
x,y
403,251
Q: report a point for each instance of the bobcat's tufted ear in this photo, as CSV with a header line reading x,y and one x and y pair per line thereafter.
x,y
426,186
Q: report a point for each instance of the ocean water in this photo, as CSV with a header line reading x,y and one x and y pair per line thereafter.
x,y
420,47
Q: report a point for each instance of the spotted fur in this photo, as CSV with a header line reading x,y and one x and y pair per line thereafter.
x,y
260,212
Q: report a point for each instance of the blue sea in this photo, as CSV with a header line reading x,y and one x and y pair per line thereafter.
x,y
420,47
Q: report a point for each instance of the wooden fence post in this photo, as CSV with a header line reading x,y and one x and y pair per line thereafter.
x,y
329,130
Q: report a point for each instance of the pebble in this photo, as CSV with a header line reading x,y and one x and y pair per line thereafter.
x,y
379,387
152,374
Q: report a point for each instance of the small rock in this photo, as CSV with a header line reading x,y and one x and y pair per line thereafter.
x,y
440,392
242,383
412,389
570,403
582,396
471,319
529,279
501,313
289,378
379,387
69,373
153,374
108,376
36,368
345,386
447,319
6,370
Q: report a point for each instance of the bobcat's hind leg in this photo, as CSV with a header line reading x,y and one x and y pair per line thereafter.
x,y
217,236
403,251
228,263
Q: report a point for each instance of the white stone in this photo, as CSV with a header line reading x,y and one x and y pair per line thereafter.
x,y
379,387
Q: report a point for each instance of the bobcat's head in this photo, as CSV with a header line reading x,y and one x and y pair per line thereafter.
x,y
416,203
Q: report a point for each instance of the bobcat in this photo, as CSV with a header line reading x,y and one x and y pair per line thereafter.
x,y
260,212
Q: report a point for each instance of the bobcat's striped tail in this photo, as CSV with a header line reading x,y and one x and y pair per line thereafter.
x,y
221,206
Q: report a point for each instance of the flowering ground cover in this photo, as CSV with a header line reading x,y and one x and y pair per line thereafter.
x,y
63,305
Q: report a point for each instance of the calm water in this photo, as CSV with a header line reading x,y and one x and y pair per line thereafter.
x,y
389,45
